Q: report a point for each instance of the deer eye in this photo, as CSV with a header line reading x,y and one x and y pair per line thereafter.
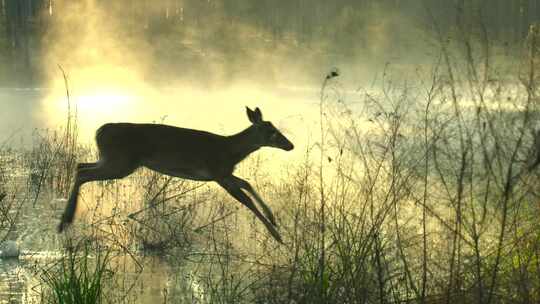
x,y
273,133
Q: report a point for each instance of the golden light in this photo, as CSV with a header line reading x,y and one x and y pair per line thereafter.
x,y
104,103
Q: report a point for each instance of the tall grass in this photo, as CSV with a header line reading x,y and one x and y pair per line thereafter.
x,y
54,153
79,277
421,191
428,195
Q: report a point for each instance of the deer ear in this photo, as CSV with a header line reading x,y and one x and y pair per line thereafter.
x,y
254,116
250,114
259,114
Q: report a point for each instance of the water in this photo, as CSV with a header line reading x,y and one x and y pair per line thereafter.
x,y
293,110
153,282
12,281
140,277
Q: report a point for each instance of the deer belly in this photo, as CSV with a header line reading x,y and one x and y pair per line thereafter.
x,y
198,174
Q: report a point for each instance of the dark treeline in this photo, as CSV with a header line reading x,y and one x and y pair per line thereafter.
x,y
342,23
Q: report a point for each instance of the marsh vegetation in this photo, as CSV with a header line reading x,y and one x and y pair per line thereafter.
x,y
421,186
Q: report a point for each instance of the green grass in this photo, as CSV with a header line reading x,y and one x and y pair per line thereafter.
x,y
79,277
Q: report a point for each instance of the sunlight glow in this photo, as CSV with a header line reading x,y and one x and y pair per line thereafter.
x,y
103,102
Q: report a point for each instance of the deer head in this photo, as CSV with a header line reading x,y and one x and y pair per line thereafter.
x,y
266,134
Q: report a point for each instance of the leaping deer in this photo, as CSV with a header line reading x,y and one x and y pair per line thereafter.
x,y
185,153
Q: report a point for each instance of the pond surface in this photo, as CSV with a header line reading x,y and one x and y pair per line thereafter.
x,y
140,278
156,281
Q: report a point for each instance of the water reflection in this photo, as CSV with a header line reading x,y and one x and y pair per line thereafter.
x,y
149,280
139,278
12,282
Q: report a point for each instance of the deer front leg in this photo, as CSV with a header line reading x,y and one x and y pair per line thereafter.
x,y
247,186
230,185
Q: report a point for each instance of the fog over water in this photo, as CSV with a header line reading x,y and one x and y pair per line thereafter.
x,y
412,177
199,67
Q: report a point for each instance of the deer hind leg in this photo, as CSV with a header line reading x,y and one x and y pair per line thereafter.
x,y
230,185
247,186
105,169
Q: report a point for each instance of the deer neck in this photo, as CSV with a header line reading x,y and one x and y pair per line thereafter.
x,y
243,144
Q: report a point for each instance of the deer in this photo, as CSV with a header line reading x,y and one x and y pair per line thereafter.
x,y
180,152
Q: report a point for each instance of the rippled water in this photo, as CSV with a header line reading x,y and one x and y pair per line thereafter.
x,y
12,282
156,281
138,277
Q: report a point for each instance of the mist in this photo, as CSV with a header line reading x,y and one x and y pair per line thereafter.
x,y
199,64
413,178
